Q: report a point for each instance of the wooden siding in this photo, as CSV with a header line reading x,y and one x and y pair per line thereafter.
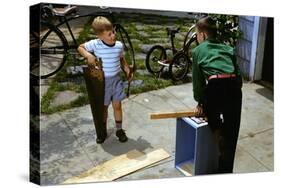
x,y
244,47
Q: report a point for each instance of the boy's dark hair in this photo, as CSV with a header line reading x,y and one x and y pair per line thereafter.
x,y
207,25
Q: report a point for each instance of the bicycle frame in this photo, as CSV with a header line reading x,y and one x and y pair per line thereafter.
x,y
65,20
172,34
172,37
190,35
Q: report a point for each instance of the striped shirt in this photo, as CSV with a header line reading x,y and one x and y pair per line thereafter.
x,y
110,55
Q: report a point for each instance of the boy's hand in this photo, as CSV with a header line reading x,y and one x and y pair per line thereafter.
x,y
91,60
199,110
130,74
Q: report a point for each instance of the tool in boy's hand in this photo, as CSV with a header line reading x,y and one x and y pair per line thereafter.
x,y
130,78
96,69
96,64
94,80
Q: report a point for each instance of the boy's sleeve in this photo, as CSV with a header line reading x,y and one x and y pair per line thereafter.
x,y
90,46
198,80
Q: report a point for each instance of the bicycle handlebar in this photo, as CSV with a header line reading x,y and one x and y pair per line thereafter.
x,y
172,31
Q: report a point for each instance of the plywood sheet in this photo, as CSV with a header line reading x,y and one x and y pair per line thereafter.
x,y
119,166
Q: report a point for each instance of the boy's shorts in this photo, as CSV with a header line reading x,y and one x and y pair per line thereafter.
x,y
114,90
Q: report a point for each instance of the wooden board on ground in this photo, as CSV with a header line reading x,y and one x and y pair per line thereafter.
x,y
119,166
163,115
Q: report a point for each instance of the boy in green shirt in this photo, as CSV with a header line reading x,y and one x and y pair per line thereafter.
x,y
217,89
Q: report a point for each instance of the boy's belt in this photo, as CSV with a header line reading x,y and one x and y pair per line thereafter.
x,y
218,76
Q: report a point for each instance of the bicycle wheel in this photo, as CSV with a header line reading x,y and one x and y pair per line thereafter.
x,y
154,55
179,66
123,36
34,53
53,52
189,35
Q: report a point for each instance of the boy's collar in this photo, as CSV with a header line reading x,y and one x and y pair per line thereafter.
x,y
211,39
109,45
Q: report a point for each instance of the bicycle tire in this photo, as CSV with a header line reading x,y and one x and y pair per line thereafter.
x,y
53,51
189,35
123,36
34,53
152,64
179,67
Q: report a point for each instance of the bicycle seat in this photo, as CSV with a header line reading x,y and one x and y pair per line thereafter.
x,y
171,31
64,11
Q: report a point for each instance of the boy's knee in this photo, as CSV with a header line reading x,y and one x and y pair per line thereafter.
x,y
117,106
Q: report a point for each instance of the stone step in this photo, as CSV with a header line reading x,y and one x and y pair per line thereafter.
x,y
140,56
134,83
64,97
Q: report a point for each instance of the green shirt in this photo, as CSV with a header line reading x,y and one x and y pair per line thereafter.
x,y
210,58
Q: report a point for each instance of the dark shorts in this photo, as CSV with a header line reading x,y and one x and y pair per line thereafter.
x,y
114,90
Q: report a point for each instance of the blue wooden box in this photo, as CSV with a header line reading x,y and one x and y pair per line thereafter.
x,y
195,152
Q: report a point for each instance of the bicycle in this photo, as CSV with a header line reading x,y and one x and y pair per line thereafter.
x,y
179,66
53,47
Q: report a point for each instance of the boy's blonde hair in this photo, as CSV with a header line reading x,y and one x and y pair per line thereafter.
x,y
101,24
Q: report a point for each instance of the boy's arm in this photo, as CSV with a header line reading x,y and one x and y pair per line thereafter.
x,y
125,66
198,83
90,57
198,80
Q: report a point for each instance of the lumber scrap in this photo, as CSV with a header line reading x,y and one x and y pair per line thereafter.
x,y
119,166
163,115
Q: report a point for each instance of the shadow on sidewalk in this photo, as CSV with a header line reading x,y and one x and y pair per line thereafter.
x,y
114,147
267,93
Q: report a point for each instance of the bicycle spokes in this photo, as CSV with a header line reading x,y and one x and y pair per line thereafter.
x,y
52,52
179,66
155,56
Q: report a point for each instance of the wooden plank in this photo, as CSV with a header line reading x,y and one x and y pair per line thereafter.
x,y
247,28
119,166
244,49
172,114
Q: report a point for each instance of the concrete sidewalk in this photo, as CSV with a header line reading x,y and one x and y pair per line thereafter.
x,y
68,145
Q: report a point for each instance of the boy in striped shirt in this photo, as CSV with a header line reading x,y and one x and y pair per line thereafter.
x,y
111,52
